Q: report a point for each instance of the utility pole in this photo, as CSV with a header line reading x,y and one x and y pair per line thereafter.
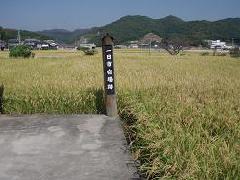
x,y
19,37
150,46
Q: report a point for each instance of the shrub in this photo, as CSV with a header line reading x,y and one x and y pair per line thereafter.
x,y
205,54
220,52
90,52
235,52
87,51
21,51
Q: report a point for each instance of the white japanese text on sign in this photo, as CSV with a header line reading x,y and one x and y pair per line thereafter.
x,y
109,71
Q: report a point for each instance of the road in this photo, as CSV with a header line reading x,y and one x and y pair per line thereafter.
x,y
63,147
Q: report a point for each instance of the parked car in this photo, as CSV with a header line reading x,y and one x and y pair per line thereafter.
x,y
52,44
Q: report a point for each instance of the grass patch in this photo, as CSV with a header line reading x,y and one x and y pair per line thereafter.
x,y
181,113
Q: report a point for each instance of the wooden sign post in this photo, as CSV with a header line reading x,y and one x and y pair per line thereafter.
x,y
109,80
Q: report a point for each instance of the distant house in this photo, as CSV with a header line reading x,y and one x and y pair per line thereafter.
x,y
52,44
2,45
120,46
13,43
133,44
143,45
47,44
32,43
150,37
150,40
218,44
44,46
37,44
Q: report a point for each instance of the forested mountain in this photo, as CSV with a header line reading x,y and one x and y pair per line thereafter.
x,y
130,28
191,32
6,34
62,35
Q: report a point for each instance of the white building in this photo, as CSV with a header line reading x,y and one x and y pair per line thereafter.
x,y
89,46
134,46
218,44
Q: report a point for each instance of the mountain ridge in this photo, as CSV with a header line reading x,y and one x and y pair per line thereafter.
x,y
130,28
134,27
63,35
8,33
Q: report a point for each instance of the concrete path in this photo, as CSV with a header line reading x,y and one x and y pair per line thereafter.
x,y
71,147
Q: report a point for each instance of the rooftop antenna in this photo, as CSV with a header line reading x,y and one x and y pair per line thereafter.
x,y
19,37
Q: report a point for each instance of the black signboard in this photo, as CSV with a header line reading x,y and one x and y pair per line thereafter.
x,y
109,70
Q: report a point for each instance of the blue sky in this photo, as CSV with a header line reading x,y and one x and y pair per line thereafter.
x,y
73,14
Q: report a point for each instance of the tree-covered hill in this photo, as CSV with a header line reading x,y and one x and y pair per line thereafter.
x,y
191,32
62,35
6,34
131,28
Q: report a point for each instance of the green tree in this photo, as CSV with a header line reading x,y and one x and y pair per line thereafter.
x,y
21,51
